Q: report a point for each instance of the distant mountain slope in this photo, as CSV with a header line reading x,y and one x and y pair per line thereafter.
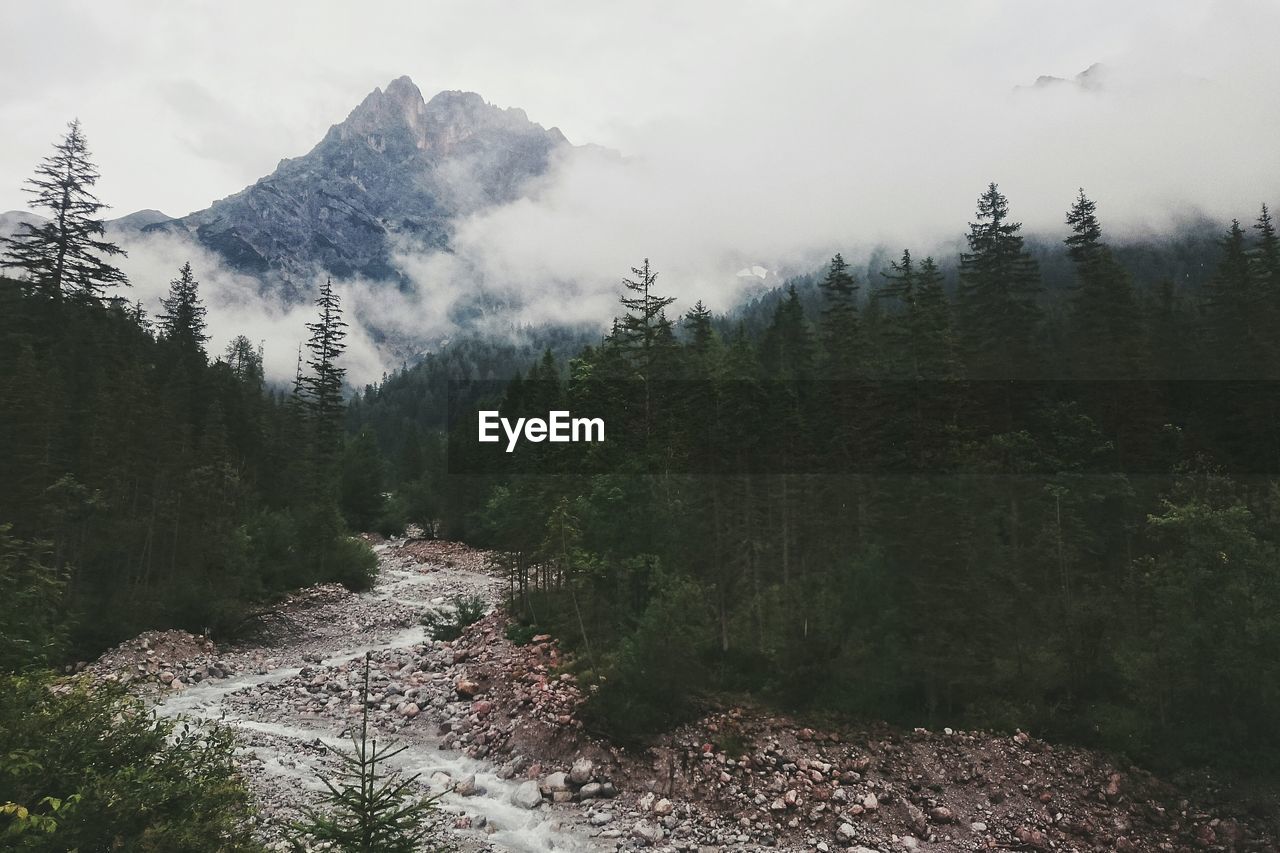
x,y
11,221
398,165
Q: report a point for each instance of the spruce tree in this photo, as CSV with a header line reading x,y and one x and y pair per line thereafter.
x,y
324,384
933,338
640,333
66,255
999,283
369,808
698,321
639,326
898,333
1232,308
1104,318
1264,268
182,316
840,320
787,349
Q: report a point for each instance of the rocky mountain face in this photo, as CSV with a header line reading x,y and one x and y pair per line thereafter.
x,y
398,166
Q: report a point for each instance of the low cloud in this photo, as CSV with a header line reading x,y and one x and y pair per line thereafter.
x,y
237,305
771,135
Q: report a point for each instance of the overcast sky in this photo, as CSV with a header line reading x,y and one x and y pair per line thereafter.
x,y
185,102
756,131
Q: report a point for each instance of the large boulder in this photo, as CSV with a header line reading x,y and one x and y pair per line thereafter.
x,y
647,833
582,771
528,795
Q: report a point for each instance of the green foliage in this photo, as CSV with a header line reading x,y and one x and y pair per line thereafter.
x,y
87,768
360,493
917,542
449,624
171,492
351,563
1208,674
521,634
67,254
32,623
657,673
367,808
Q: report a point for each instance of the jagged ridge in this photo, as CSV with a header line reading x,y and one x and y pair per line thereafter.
x,y
398,165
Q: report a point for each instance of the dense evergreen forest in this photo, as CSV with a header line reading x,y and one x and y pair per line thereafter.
x,y
944,502
150,484
1015,488
146,484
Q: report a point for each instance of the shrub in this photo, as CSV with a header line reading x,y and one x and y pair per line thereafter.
x,y
521,634
352,563
32,629
658,673
449,624
88,768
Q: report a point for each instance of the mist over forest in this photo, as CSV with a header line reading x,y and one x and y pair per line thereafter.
x,y
931,494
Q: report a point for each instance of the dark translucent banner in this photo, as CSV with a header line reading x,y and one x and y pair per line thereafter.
x,y
891,427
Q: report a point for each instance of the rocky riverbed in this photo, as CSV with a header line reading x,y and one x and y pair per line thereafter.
x,y
492,728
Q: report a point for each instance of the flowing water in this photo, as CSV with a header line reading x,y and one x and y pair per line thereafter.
x,y
291,754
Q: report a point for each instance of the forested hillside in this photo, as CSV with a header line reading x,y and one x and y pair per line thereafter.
x,y
976,504
147,481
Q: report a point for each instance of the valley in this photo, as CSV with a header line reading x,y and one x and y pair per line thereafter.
x,y
492,729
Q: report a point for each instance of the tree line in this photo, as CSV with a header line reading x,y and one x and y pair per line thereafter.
x,y
148,482
938,500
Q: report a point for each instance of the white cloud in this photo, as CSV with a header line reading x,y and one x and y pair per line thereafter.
x,y
753,133
237,307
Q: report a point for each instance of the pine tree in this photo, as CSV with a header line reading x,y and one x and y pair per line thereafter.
x,y
324,384
999,282
1104,318
66,255
698,321
639,326
640,333
787,349
898,333
1264,268
840,338
1232,310
182,318
245,361
370,809
933,338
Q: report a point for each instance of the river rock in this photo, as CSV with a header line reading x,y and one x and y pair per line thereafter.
x,y
647,833
582,771
918,822
528,795
468,787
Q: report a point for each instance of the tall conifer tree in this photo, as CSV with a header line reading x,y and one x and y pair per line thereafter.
x,y
999,283
67,254
324,384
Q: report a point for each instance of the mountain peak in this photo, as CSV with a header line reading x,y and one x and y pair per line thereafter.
x,y
400,107
397,166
